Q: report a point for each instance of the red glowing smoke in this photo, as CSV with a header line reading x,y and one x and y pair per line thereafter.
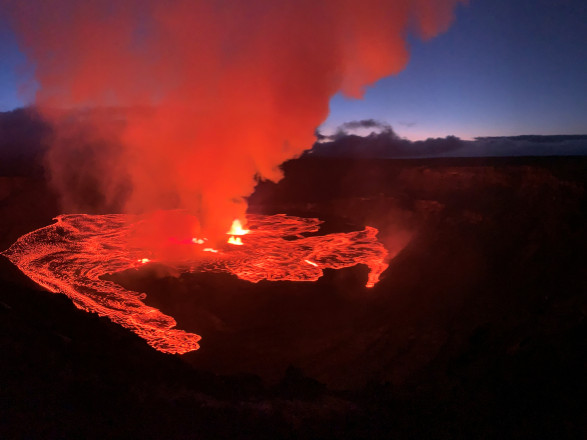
x,y
209,95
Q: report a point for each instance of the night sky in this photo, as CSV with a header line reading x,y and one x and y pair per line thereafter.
x,y
504,68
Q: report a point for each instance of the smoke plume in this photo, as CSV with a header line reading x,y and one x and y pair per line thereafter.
x,y
184,104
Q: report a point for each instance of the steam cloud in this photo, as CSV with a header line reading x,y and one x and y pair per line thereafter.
x,y
184,103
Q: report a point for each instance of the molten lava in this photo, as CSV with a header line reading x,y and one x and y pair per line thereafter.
x,y
237,228
72,255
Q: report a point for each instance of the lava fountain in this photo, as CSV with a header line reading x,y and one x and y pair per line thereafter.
x,y
73,255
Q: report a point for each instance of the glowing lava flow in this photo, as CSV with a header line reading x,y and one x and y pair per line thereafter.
x,y
71,256
235,230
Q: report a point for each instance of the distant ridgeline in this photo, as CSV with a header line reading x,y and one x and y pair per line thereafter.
x,y
537,138
387,144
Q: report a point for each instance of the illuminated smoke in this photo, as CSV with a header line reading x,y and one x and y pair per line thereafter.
x,y
193,99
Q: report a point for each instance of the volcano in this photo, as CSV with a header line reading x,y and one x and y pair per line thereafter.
x,y
477,325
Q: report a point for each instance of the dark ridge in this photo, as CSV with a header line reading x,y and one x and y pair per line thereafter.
x,y
536,138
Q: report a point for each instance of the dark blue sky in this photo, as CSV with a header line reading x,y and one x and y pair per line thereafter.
x,y
505,67
12,63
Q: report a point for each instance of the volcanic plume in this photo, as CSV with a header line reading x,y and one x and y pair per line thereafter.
x,y
171,112
185,104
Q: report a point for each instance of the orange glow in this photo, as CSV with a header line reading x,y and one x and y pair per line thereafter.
x,y
235,240
237,228
311,262
72,255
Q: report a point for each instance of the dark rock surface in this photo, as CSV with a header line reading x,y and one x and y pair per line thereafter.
x,y
477,329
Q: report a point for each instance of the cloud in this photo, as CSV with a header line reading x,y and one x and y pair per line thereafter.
x,y
388,144
408,124
383,143
362,128
364,123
